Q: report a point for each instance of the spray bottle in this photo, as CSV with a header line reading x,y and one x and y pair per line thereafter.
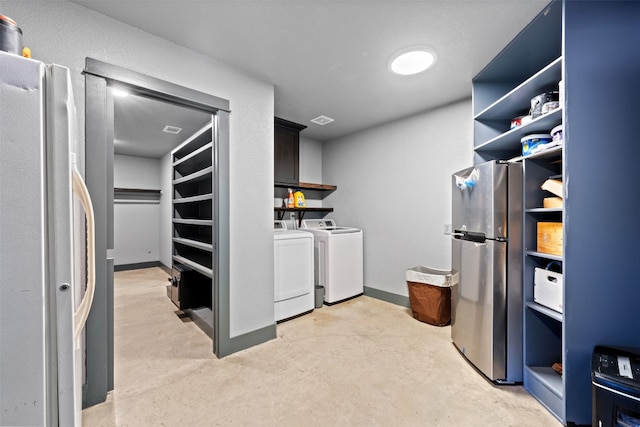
x,y
290,201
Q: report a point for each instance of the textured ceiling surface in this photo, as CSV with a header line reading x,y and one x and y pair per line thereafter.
x,y
329,57
139,122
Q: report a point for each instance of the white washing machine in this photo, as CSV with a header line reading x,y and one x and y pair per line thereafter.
x,y
338,255
293,272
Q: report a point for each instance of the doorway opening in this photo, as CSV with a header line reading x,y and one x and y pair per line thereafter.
x,y
146,130
129,164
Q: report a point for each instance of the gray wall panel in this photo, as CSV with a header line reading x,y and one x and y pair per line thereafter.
x,y
394,183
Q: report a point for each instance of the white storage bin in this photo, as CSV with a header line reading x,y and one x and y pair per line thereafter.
x,y
547,289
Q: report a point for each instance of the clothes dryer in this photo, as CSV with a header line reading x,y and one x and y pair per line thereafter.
x,y
293,272
338,256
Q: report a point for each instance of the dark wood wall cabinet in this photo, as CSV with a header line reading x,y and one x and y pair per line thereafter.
x,y
286,151
287,168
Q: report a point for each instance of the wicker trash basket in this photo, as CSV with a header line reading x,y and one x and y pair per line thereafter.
x,y
430,294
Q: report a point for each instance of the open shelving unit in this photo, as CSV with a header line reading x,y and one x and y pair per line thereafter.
x,y
192,182
543,325
503,91
311,191
583,44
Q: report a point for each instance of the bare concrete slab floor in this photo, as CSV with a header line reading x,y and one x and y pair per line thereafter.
x,y
363,362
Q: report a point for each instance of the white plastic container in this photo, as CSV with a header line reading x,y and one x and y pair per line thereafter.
x,y
529,142
547,289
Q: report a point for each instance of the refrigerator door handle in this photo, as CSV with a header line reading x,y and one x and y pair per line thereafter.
x,y
470,236
81,314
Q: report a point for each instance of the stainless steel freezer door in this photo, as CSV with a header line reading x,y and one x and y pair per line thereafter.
x,y
482,205
478,317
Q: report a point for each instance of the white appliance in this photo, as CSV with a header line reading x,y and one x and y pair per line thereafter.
x,y
41,319
293,271
338,254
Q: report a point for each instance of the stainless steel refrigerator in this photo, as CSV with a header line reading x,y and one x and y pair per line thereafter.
x,y
44,242
486,304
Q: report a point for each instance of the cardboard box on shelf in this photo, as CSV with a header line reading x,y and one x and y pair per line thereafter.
x,y
552,202
550,237
553,186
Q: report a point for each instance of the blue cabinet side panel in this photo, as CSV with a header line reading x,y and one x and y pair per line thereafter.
x,y
602,240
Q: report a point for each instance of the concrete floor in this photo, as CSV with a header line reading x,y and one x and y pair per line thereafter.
x,y
364,362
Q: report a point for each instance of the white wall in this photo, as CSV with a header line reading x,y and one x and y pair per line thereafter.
x,y
310,160
66,33
310,167
394,183
136,172
136,237
136,223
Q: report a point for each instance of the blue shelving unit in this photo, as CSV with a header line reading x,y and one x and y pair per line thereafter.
x,y
594,48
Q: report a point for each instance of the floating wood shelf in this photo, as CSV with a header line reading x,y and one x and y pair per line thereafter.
x,y
311,191
309,186
300,212
303,210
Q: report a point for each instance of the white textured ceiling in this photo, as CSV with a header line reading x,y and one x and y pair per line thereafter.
x,y
139,122
330,57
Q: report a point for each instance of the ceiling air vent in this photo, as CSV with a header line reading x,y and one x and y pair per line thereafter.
x,y
172,129
322,120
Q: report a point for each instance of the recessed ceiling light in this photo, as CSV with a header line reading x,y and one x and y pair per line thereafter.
x,y
172,129
412,60
322,120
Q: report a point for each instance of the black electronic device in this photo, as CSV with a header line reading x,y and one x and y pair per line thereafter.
x,y
615,374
